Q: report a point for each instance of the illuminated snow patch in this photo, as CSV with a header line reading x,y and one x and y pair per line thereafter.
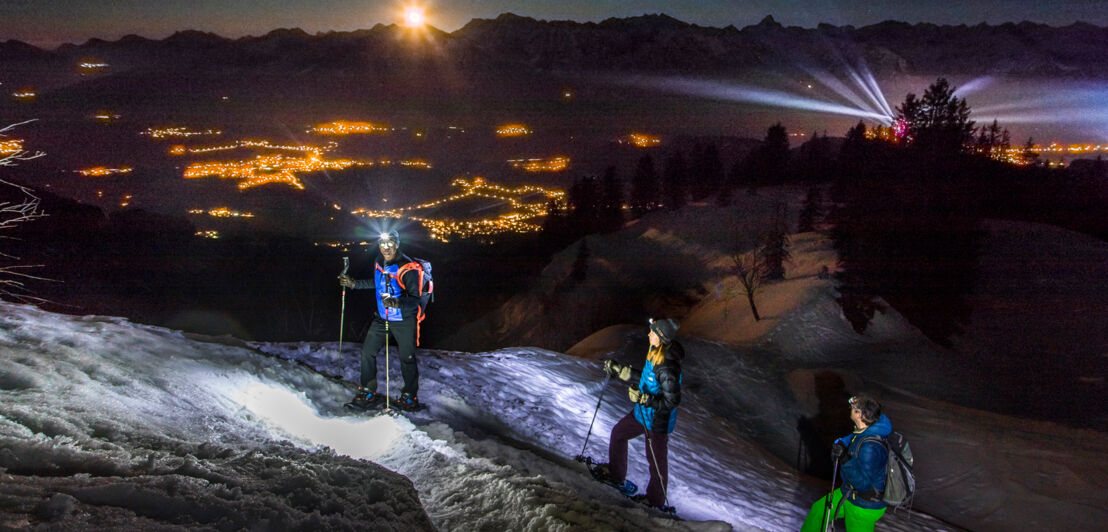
x,y
290,413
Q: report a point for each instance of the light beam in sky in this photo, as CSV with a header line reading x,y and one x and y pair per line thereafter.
x,y
737,92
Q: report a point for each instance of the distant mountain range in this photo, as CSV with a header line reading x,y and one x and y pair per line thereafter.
x,y
656,44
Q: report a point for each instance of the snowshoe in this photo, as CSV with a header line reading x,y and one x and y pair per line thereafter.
x,y
641,499
601,474
407,402
366,400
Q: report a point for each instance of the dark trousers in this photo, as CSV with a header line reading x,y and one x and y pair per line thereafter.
x,y
404,333
657,456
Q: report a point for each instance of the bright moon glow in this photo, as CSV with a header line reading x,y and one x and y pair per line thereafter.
x,y
289,413
414,17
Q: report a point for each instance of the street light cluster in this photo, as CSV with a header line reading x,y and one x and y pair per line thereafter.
x,y
643,140
166,132
347,127
100,171
516,221
263,144
24,94
1054,147
10,146
267,169
512,130
222,212
552,164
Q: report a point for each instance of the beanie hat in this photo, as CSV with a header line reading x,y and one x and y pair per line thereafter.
x,y
666,329
391,236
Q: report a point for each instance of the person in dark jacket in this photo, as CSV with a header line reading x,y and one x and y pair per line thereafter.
x,y
656,392
396,289
858,500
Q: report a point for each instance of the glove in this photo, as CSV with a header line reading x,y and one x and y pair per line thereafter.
x,y
638,397
838,450
390,302
618,371
346,281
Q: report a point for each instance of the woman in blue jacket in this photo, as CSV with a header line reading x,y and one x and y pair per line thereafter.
x,y
863,471
655,392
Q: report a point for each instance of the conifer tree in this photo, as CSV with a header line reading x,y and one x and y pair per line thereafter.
x,y
644,187
675,182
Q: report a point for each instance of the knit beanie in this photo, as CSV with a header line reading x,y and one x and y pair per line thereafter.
x,y
666,329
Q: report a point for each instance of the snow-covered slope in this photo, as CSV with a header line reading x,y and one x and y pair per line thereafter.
x,y
110,424
657,265
779,377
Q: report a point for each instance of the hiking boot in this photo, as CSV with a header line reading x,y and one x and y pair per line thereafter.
x,y
366,399
407,401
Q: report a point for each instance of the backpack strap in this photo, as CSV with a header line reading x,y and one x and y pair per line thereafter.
x,y
405,269
413,265
873,495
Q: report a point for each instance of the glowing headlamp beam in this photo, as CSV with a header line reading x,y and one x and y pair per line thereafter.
x,y
743,93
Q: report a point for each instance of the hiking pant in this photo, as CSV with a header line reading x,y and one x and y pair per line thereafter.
x,y
657,456
404,333
857,519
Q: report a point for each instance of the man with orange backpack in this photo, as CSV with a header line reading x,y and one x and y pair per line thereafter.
x,y
401,285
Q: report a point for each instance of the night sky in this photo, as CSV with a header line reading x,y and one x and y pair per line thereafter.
x,y
49,23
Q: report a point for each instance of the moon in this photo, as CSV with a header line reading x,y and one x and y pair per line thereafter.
x,y
414,16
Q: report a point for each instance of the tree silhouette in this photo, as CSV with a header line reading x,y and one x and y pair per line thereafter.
x,y
775,245
706,171
18,205
768,163
750,270
939,121
611,201
675,180
811,211
644,187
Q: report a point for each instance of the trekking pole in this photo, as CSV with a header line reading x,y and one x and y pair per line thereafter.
x,y
342,313
828,518
387,359
661,477
603,387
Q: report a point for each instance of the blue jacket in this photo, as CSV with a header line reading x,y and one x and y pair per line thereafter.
x,y
385,282
864,469
663,384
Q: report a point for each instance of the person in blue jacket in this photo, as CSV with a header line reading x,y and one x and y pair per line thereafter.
x,y
655,392
858,500
397,293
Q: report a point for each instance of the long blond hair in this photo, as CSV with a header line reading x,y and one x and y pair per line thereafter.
x,y
657,355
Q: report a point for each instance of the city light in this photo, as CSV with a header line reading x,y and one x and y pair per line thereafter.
x,y
445,229
10,146
642,140
24,94
177,131
513,130
347,127
553,164
100,171
268,169
221,212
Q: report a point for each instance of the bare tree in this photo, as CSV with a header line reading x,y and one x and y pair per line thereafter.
x,y
21,206
751,269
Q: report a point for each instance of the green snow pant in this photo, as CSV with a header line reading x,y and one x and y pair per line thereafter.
x,y
857,519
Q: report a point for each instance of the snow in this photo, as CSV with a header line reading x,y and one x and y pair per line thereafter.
x,y
110,424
